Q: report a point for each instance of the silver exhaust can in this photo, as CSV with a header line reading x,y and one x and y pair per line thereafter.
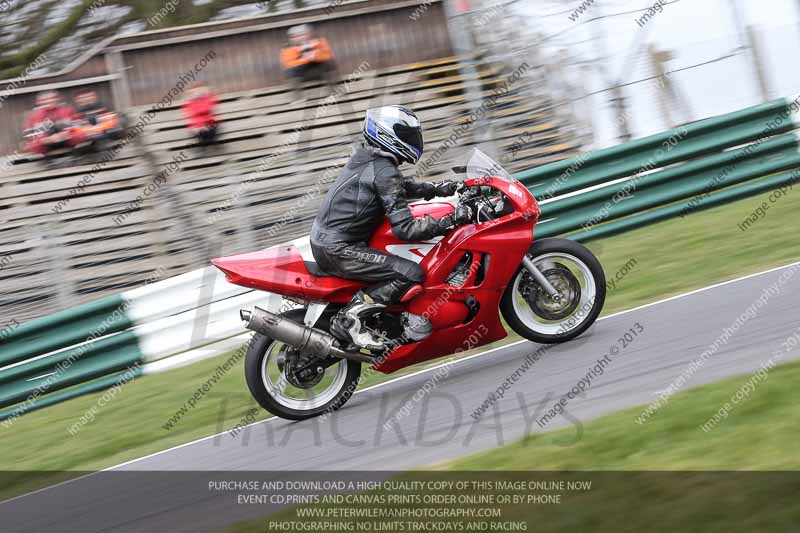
x,y
307,340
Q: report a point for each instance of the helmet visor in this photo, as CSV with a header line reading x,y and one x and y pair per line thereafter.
x,y
410,135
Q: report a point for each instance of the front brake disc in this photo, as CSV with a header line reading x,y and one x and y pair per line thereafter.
x,y
565,282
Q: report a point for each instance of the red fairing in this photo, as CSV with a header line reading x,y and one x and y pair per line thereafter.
x,y
464,315
501,244
384,239
281,270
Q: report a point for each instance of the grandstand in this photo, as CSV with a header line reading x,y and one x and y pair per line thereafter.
x,y
162,204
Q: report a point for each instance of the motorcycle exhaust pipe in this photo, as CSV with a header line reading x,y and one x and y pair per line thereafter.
x,y
308,340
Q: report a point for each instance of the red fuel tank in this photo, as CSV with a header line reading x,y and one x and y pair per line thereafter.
x,y
385,240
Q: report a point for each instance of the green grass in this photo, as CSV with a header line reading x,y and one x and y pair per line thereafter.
x,y
672,257
759,433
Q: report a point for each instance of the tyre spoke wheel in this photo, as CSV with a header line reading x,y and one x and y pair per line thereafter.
x,y
286,383
542,305
299,392
577,277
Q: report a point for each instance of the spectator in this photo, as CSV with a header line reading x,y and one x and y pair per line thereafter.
x,y
199,110
51,125
307,58
89,106
100,123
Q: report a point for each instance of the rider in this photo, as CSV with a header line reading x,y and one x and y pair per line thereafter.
x,y
369,188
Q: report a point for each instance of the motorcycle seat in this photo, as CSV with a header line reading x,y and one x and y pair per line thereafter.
x,y
315,270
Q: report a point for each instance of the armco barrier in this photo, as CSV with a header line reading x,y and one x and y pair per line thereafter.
x,y
147,324
625,159
671,174
66,328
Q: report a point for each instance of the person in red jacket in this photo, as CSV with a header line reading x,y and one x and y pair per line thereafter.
x,y
199,110
50,125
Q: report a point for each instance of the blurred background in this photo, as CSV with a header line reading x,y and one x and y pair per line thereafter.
x,y
202,139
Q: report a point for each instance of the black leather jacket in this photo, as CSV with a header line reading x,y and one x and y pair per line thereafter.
x,y
368,188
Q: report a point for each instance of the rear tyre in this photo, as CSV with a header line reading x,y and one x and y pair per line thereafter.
x,y
268,373
576,273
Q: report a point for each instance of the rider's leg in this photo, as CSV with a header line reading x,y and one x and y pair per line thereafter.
x,y
392,277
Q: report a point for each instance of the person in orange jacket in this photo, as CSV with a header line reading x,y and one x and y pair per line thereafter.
x,y
307,58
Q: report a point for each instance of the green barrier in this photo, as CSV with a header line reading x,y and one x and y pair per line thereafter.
x,y
682,150
714,199
721,164
780,108
103,357
70,393
63,329
47,364
665,193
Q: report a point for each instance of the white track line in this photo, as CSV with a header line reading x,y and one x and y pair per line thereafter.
x,y
407,376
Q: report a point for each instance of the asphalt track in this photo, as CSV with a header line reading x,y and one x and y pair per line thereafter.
x,y
368,434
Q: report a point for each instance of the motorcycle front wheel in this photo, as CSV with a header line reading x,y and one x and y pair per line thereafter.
x,y
575,272
269,376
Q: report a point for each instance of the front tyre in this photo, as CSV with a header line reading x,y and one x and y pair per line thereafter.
x,y
268,370
577,275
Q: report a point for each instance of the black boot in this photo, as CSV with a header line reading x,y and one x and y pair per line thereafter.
x,y
347,324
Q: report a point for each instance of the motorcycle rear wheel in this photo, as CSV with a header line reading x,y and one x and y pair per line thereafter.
x,y
576,273
280,394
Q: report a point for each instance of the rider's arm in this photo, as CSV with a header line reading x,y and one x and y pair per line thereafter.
x,y
391,189
419,189
427,190
67,115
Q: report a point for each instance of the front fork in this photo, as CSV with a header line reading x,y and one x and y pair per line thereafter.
x,y
541,279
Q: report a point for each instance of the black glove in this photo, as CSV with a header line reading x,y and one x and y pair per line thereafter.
x,y
446,188
461,217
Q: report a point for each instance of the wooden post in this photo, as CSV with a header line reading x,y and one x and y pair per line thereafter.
x,y
657,60
120,89
758,66
54,251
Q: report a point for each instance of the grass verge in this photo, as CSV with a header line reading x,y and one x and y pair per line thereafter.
x,y
758,433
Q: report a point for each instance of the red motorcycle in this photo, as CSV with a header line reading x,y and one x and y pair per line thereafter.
x,y
549,291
